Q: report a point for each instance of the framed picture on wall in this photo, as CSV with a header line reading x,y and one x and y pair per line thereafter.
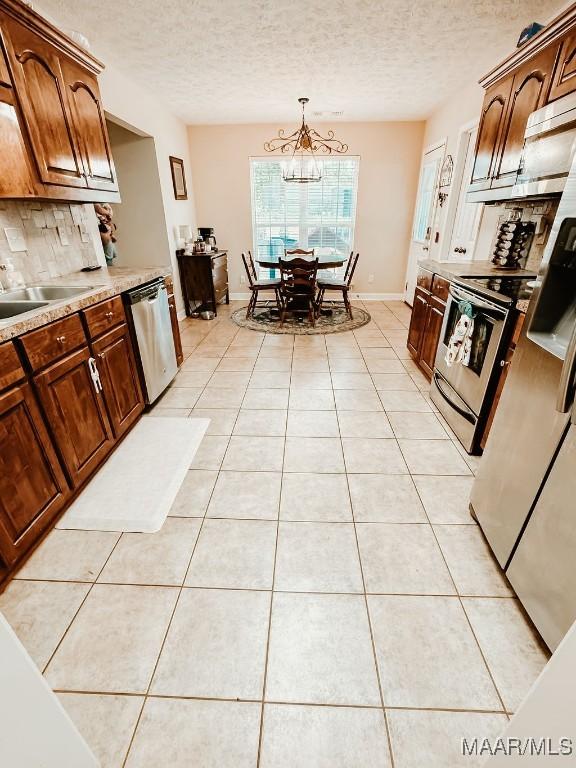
x,y
178,178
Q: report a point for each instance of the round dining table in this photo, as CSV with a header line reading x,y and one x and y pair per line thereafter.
x,y
324,262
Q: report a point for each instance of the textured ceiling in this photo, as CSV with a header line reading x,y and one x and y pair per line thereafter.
x,y
226,61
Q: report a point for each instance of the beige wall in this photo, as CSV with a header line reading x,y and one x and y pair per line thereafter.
x,y
445,124
388,177
136,108
142,237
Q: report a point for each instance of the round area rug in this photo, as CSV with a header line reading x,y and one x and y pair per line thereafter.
x,y
266,319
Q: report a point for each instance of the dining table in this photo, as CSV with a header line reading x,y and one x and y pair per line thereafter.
x,y
324,261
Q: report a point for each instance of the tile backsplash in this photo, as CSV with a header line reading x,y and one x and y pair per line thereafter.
x,y
55,238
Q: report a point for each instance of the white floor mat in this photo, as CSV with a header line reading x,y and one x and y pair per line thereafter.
x,y
136,487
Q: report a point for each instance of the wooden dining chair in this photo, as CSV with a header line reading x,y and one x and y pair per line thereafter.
x,y
256,286
298,252
334,285
252,266
298,287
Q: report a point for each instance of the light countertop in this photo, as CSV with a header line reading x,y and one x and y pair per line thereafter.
x,y
100,285
452,269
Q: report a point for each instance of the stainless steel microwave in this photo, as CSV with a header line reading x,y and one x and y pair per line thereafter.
x,y
549,147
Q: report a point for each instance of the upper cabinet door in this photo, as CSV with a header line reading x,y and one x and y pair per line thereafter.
x,y
17,175
529,91
564,81
43,98
489,132
90,124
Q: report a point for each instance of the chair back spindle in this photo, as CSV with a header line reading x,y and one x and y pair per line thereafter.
x,y
247,268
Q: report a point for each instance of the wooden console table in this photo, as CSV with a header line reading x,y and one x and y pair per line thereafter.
x,y
204,280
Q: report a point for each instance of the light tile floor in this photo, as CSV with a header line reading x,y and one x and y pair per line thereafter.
x,y
319,596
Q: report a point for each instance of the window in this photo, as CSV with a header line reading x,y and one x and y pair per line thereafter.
x,y
318,215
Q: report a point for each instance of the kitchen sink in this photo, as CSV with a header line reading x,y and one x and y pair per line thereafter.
x,y
44,293
10,309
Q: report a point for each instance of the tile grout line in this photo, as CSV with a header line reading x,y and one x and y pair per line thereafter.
x,y
462,606
367,609
176,603
271,604
92,585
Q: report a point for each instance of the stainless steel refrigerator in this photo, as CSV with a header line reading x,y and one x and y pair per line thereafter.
x,y
524,495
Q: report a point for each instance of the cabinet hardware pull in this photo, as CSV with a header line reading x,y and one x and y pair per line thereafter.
x,y
505,363
60,339
95,375
109,315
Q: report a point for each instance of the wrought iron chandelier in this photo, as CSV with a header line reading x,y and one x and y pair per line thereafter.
x,y
304,167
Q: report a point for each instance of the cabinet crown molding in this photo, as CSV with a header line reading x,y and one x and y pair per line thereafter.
x,y
553,31
45,29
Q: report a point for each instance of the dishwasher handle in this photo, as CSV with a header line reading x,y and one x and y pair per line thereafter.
x,y
149,293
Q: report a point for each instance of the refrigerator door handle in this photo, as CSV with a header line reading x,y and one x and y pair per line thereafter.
x,y
565,390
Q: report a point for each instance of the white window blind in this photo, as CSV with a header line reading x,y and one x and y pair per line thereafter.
x,y
319,215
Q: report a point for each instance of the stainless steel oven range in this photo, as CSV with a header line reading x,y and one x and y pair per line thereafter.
x,y
463,393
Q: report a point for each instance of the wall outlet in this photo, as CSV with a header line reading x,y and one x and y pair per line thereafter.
x,y
242,279
370,278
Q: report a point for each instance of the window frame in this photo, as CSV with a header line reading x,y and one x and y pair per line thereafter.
x,y
305,224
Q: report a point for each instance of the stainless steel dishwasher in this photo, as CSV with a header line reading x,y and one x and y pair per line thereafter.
x,y
153,331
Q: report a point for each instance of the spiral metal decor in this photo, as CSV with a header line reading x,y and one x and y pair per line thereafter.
x,y
304,143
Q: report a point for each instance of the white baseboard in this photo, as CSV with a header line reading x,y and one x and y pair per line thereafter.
x,y
378,296
239,296
181,314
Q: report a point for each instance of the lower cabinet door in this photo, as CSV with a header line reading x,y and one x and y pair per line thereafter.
x,y
33,488
417,321
175,330
76,414
121,387
432,328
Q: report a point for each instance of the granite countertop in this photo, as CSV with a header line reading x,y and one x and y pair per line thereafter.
x,y
452,269
101,284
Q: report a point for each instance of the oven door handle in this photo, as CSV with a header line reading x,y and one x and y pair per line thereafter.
x,y
465,414
474,300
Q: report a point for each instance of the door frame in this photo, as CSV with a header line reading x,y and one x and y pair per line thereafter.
x,y
457,179
441,144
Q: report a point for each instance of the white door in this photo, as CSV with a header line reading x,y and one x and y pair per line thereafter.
x,y
468,215
426,204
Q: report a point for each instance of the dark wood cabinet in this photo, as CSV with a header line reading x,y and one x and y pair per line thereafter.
x,y
489,132
507,106
42,95
16,171
538,72
56,144
119,377
530,87
426,320
90,126
33,489
564,80
431,335
69,391
418,321
204,280
76,414
175,330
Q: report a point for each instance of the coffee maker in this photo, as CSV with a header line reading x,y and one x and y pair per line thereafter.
x,y
207,235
